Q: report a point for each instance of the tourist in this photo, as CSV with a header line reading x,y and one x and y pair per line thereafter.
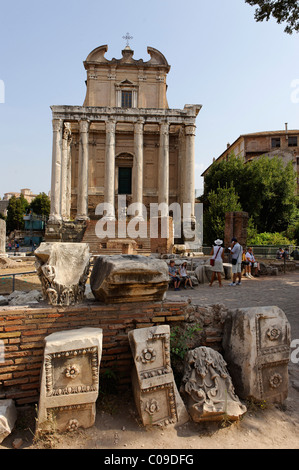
x,y
295,254
279,253
217,254
173,274
250,263
236,251
286,253
184,275
254,265
245,263
17,247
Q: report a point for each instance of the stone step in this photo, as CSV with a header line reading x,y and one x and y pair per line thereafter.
x,y
97,245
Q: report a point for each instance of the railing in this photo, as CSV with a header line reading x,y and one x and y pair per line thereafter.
x,y
13,276
262,251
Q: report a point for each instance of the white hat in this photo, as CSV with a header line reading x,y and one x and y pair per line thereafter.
x,y
218,242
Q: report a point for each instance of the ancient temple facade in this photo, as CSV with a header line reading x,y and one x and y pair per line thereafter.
x,y
124,140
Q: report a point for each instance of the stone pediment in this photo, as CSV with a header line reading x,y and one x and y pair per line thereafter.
x,y
97,57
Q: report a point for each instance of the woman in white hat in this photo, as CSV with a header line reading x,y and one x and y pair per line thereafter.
x,y
217,254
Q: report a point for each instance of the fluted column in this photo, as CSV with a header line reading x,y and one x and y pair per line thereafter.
x,y
163,170
55,212
189,176
109,191
137,176
64,170
82,194
69,179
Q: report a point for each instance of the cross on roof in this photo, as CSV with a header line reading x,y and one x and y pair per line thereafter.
x,y
127,37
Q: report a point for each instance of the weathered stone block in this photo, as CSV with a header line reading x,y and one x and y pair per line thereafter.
x,y
70,379
207,387
128,278
63,269
256,344
8,416
155,392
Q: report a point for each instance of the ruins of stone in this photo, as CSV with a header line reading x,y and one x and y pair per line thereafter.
x,y
70,380
256,344
63,269
128,278
124,131
8,417
207,387
2,236
155,392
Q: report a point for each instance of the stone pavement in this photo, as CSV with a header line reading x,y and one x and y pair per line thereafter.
x,y
282,291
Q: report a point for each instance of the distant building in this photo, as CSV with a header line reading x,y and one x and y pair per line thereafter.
x,y
27,193
284,144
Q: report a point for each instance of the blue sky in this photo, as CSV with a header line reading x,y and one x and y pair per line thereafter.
x,y
240,71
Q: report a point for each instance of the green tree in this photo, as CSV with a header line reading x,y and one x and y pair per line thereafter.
x,y
265,186
219,202
16,210
284,11
40,205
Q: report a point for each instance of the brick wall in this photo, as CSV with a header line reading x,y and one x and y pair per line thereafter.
x,y
23,329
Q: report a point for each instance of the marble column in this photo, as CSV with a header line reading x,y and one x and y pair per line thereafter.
x,y
163,168
69,179
82,194
109,191
55,212
181,166
64,169
137,176
189,173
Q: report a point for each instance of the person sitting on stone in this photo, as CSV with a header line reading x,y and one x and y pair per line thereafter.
x,y
173,275
184,275
279,253
295,254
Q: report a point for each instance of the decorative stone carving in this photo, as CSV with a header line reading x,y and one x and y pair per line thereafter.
x,y
63,270
8,416
70,379
207,387
155,392
256,344
128,278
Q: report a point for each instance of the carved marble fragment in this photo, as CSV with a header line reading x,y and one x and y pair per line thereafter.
x,y
129,278
155,392
70,379
207,387
63,270
256,344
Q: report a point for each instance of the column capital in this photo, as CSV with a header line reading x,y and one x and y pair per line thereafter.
x,y
66,130
190,129
84,125
110,126
138,126
57,125
164,128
